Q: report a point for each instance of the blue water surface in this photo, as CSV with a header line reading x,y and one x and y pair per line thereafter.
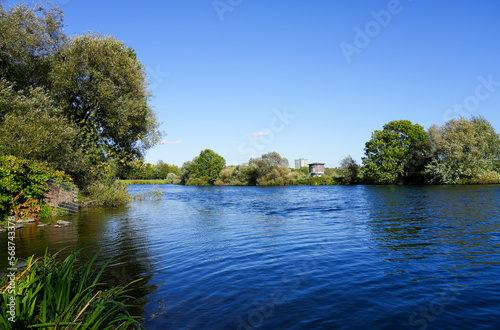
x,y
301,257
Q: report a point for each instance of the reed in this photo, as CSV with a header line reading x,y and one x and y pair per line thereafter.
x,y
52,294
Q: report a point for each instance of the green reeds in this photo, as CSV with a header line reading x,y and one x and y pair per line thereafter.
x,y
51,294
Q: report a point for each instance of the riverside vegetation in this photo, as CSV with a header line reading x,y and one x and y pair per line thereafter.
x,y
462,151
75,109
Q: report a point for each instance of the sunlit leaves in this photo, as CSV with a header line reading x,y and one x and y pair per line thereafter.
x,y
396,153
463,150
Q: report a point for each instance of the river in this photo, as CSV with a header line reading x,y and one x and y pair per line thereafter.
x,y
300,257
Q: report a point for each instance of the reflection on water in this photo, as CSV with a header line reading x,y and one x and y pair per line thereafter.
x,y
298,257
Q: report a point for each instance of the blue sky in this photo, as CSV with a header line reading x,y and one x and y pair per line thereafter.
x,y
308,79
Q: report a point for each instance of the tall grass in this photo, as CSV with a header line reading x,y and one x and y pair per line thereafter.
x,y
102,194
51,294
154,193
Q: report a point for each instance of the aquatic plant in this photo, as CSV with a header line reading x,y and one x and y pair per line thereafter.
x,y
52,294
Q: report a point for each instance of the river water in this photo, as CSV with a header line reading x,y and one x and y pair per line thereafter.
x,y
301,257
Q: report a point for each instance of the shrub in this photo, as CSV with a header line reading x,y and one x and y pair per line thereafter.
x,y
22,186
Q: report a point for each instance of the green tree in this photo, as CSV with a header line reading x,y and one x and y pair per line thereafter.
x,y
271,170
463,150
209,164
30,39
32,127
396,154
244,175
101,87
349,170
203,170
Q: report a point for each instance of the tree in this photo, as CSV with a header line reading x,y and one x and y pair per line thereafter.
x,y
209,164
271,170
203,169
348,170
101,87
396,154
244,175
463,150
32,127
93,90
30,39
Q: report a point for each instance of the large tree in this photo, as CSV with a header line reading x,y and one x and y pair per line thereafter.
x,y
271,170
462,150
101,86
396,154
87,95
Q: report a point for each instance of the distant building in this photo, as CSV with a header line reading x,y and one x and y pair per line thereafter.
x,y
301,162
316,169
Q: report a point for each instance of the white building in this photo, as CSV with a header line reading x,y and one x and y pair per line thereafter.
x,y
301,163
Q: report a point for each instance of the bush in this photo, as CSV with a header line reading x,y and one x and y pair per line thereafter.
x,y
53,294
22,186
486,177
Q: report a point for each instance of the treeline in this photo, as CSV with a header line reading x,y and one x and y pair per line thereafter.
x,y
268,170
462,151
138,170
74,104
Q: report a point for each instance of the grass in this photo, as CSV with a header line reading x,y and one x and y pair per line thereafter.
x,y
51,294
101,194
154,193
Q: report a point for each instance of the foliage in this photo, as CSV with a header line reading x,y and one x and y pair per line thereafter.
x,y
75,104
187,169
32,127
30,40
54,294
244,175
134,182
105,194
463,151
349,170
22,186
100,85
396,154
271,170
137,169
203,170
304,171
209,164
225,176
317,181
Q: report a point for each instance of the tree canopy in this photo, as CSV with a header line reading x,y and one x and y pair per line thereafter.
x,y
203,170
463,150
395,154
72,103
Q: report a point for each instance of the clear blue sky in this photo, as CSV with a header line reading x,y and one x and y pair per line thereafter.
x,y
221,76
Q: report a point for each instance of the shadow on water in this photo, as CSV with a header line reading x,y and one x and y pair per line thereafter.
x,y
107,231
